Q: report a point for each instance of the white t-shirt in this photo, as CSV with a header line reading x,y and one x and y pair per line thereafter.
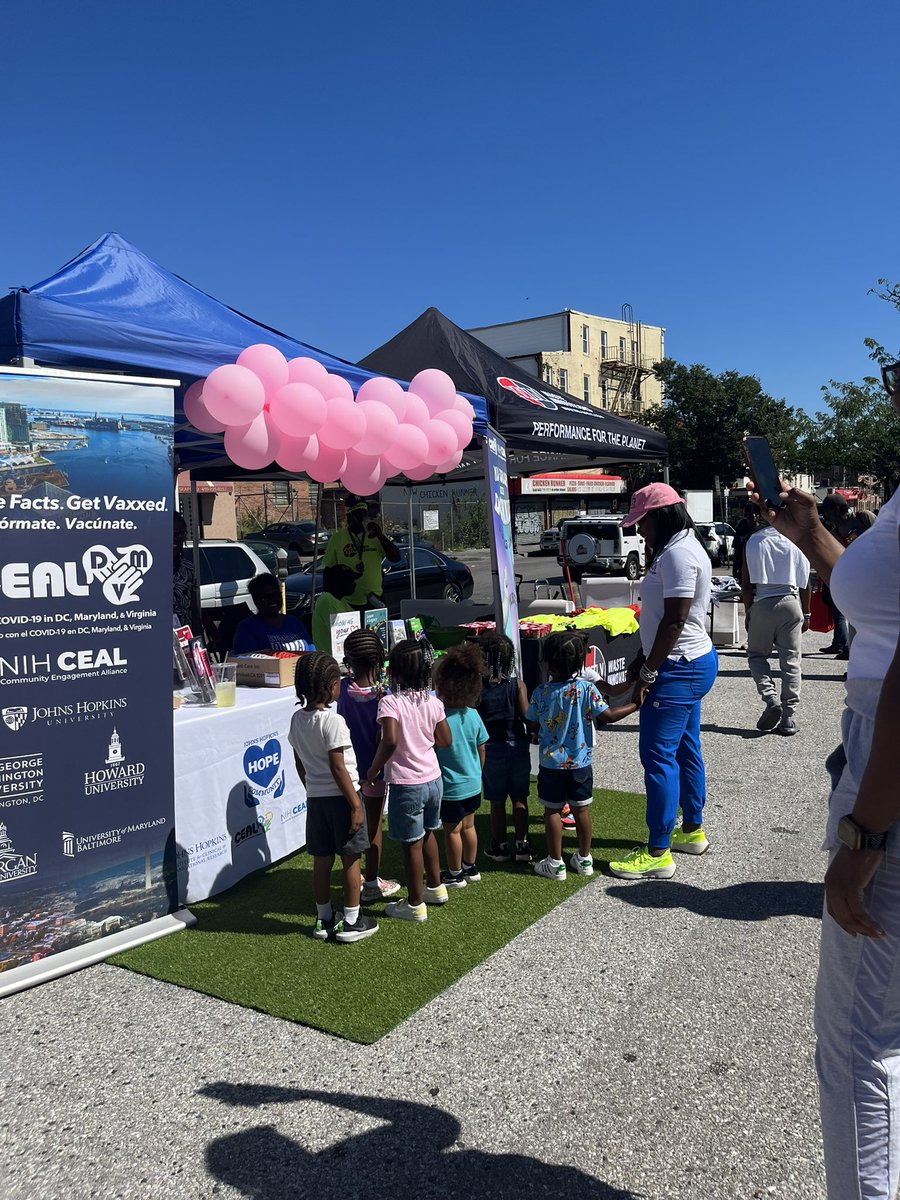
x,y
681,569
865,585
775,566
313,733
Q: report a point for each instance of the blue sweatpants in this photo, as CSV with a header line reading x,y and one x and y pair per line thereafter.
x,y
674,774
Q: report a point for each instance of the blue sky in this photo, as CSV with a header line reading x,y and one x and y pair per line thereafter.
x,y
332,170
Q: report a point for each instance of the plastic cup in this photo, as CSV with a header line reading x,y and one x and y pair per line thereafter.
x,y
225,676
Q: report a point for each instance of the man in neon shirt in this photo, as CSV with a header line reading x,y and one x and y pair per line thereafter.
x,y
361,547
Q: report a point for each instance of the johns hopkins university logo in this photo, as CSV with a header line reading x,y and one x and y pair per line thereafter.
x,y
14,718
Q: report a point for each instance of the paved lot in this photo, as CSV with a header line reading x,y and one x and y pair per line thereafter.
x,y
643,1040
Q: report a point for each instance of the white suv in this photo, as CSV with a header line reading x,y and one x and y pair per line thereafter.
x,y
226,569
593,545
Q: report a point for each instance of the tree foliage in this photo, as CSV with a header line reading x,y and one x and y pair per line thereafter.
x,y
704,416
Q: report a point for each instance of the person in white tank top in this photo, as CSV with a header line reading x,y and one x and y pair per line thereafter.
x,y
857,1013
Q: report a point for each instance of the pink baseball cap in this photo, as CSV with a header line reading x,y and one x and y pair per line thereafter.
x,y
645,499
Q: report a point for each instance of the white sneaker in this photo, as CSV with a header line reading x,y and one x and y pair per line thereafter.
x,y
435,895
404,911
581,866
379,890
546,868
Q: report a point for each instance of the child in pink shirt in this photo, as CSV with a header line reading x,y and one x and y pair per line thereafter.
x,y
412,721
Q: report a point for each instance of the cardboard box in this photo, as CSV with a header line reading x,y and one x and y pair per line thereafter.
x,y
265,670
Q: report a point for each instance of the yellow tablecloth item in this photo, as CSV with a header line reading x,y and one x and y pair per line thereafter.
x,y
613,620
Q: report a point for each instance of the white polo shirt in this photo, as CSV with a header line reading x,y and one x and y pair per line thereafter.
x,y
681,569
775,566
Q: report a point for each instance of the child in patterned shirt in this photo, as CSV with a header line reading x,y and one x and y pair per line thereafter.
x,y
562,714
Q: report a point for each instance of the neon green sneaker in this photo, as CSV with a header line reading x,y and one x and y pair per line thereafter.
x,y
641,864
695,842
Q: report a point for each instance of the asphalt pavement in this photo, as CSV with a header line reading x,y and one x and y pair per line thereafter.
x,y
642,1040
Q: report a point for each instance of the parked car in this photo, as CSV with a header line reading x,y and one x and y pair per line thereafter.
x,y
401,538
718,538
438,577
226,569
295,535
550,540
277,559
596,545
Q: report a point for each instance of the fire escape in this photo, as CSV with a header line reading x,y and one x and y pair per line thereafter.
x,y
623,369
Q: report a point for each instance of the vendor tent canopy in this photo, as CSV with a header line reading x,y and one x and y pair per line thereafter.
x,y
544,428
112,309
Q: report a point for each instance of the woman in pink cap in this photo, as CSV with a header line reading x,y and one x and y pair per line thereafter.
x,y
679,668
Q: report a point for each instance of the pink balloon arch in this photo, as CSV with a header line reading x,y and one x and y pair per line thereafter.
x,y
294,413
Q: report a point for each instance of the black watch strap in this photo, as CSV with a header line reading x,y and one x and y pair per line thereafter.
x,y
852,835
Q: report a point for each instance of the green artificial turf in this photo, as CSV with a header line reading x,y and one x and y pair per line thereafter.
x,y
252,946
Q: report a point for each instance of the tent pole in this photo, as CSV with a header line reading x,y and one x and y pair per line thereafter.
x,y
412,549
666,473
315,562
196,532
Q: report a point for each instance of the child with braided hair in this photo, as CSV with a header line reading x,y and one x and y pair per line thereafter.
x,y
561,716
335,819
507,762
358,705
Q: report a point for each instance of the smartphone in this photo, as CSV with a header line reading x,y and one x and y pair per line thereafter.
x,y
761,466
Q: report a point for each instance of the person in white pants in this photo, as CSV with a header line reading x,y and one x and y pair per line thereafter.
x,y
858,991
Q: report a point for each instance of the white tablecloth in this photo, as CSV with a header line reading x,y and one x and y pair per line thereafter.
x,y
239,803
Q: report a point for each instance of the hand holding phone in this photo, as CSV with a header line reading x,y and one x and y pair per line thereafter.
x,y
761,466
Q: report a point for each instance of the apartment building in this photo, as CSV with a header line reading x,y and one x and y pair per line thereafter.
x,y
605,361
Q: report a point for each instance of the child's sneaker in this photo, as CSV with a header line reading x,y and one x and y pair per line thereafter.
x,y
581,866
523,851
550,870
498,851
694,842
448,879
404,911
436,895
378,889
471,872
568,821
323,930
363,927
641,864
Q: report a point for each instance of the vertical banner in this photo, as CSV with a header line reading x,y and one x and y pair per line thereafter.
x,y
506,604
86,756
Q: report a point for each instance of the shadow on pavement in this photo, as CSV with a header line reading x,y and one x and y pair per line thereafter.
x,y
733,731
415,1153
751,901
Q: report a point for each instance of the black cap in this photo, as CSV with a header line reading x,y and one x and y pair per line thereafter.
x,y
836,502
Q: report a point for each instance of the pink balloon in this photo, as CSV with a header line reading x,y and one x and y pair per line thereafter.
x,y
419,474
385,391
233,395
442,441
252,446
295,454
345,424
297,410
196,412
381,427
463,405
267,363
435,387
363,473
336,385
416,411
328,466
460,424
451,464
408,449
307,370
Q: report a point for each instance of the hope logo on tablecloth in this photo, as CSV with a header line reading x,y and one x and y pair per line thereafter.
x,y
262,766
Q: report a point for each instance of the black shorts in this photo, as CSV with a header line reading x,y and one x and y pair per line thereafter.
x,y
559,787
453,811
328,828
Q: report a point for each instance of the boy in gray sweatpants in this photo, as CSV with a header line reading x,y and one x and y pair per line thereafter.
x,y
775,591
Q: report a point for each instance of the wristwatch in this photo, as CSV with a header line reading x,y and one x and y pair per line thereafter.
x,y
854,837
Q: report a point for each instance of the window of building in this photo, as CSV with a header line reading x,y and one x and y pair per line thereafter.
x,y
281,492
621,349
563,379
585,339
605,393
587,388
633,351
548,373
604,343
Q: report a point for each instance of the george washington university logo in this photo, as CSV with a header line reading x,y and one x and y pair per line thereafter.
x,y
14,718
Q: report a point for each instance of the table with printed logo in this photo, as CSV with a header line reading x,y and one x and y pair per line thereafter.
x,y
239,803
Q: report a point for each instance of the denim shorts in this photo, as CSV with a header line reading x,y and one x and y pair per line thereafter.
x,y
413,808
453,811
507,772
558,787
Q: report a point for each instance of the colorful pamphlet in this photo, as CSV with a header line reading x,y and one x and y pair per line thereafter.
x,y
377,620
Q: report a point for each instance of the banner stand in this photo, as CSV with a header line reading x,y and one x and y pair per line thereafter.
x,y
87,955
500,531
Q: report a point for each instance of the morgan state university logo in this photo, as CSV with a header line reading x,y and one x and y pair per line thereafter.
x,y
14,718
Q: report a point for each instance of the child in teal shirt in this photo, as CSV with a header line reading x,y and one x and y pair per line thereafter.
x,y
457,683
